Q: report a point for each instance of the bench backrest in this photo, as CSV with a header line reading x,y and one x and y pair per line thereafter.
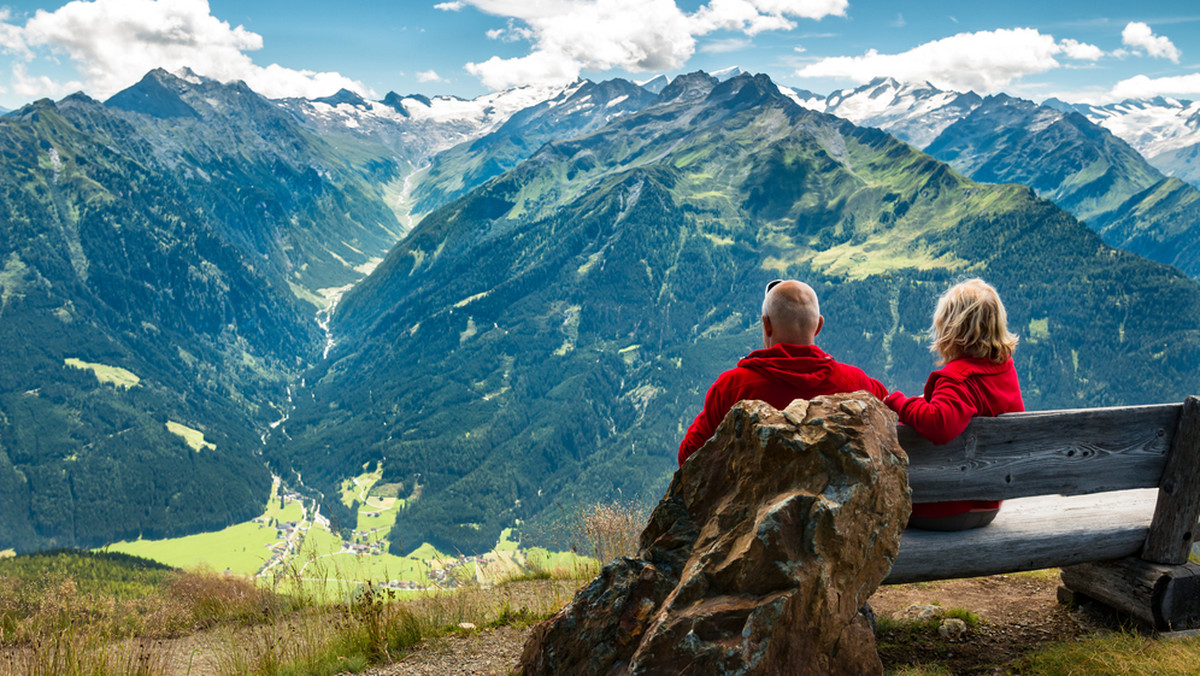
x,y
1070,452
1074,452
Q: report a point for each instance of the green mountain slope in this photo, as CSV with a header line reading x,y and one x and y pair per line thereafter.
x,y
1081,167
1161,222
576,111
1078,165
544,340
314,209
123,309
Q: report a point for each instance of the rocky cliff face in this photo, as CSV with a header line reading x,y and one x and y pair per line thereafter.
x,y
757,560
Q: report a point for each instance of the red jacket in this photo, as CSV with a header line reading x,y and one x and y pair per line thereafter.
x,y
959,391
776,375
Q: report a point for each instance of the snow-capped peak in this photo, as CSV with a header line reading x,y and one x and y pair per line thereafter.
x,y
915,112
655,84
1152,126
727,73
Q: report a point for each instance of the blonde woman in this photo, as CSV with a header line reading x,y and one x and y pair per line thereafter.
x,y
972,342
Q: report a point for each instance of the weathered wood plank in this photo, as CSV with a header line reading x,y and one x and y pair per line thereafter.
x,y
1174,527
1030,534
1044,453
1164,596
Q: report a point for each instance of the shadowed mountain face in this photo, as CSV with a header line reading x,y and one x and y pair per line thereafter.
x,y
1082,168
544,340
162,257
123,308
315,211
1079,166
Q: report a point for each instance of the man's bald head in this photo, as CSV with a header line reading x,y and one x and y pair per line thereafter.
x,y
791,314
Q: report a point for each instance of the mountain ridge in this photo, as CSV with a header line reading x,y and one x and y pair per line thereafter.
x,y
538,342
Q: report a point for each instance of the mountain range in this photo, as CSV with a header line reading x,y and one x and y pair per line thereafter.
x,y
542,283
543,340
1066,157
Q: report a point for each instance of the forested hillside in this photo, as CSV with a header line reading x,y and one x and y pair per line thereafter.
x,y
1083,168
544,340
162,257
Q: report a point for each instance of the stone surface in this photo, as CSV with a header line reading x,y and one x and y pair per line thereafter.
x,y
768,541
920,612
952,627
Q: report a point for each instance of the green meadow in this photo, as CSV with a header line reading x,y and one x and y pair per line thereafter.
x,y
285,541
241,549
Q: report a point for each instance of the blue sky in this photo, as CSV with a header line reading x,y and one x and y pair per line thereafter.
x,y
1095,50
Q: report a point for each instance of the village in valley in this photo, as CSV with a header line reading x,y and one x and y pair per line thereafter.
x,y
292,539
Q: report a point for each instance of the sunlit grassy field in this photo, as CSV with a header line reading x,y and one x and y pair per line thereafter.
x,y
241,549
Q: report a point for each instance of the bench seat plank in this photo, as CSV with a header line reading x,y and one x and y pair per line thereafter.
x,y
1031,534
1020,455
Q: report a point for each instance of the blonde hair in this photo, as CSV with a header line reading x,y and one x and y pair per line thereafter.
x,y
970,321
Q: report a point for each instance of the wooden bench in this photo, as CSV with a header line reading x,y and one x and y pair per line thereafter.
x,y
1111,495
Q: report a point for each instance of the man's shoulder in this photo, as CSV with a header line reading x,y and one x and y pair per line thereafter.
x,y
739,375
851,378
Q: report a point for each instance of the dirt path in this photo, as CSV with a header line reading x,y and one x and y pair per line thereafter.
x,y
1019,614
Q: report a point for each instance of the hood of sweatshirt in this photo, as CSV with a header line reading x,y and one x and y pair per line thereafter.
x,y
802,366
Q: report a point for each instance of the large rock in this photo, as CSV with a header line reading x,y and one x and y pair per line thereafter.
x,y
757,560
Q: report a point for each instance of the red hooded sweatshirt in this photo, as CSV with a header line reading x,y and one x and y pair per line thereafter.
x,y
959,391
776,375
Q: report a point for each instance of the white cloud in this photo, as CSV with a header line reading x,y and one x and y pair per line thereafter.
x,y
511,33
1139,35
724,46
538,67
429,76
1140,86
984,61
755,16
452,6
569,36
1080,50
113,43
899,21
39,86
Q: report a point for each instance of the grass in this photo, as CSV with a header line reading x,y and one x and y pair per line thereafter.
x,y
892,630
1118,653
193,437
323,611
106,613
101,613
113,375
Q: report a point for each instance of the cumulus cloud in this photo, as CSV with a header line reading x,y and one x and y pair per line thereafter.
x,y
1139,36
1141,86
985,61
1080,50
755,16
113,43
429,76
452,6
39,86
569,36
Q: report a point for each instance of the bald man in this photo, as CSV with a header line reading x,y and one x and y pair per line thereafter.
x,y
790,366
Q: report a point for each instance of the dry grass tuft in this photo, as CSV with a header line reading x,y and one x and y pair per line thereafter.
x,y
613,529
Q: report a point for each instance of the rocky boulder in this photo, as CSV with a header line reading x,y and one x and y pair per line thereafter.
x,y
768,541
